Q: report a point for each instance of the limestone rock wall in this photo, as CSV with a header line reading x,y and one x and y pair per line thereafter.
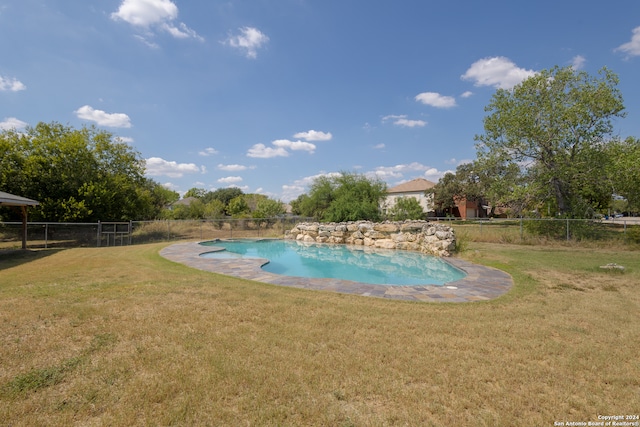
x,y
424,236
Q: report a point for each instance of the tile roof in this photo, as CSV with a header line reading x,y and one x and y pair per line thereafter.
x,y
413,186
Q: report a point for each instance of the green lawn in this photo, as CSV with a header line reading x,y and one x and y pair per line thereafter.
x,y
120,336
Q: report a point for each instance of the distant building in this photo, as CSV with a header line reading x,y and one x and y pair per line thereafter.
x,y
414,188
183,202
467,209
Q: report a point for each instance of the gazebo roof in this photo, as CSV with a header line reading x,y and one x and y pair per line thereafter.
x,y
7,199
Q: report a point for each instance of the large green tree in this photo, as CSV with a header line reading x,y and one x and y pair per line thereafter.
x,y
343,197
78,174
625,170
545,139
467,182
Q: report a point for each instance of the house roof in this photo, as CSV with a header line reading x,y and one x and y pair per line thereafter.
x,y
7,199
413,186
186,201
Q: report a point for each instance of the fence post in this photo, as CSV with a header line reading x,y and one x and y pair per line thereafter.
x,y
99,233
568,230
521,230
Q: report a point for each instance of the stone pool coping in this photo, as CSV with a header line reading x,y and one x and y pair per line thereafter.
x,y
481,283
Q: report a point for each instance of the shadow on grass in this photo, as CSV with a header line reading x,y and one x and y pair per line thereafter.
x,y
14,257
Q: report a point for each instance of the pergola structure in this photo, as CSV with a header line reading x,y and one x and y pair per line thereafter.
x,y
7,199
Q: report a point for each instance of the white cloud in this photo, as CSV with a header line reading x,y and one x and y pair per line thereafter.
x,y
291,192
499,72
264,152
153,14
379,146
433,174
295,145
466,94
11,123
578,62
398,171
230,179
280,148
116,120
170,186
632,48
249,40
434,99
8,84
401,120
156,166
314,135
125,139
233,168
208,152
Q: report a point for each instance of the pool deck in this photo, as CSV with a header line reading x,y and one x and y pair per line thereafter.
x,y
480,284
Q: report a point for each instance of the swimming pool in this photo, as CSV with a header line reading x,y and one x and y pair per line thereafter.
x,y
347,262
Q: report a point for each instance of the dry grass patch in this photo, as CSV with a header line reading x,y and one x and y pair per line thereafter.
x,y
120,336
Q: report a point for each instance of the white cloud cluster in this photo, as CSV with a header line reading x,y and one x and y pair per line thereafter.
x,y
578,61
387,173
295,145
314,135
156,166
209,151
153,15
632,47
401,120
114,120
230,180
281,147
434,99
264,152
11,123
498,72
249,40
234,168
8,84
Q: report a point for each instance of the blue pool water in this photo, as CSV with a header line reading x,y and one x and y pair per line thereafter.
x,y
348,262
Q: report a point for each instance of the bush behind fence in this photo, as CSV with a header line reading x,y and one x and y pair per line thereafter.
x,y
524,231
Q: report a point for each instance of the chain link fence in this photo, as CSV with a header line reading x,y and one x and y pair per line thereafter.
x,y
113,233
102,234
534,231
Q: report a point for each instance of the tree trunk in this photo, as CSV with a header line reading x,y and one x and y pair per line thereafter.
x,y
561,199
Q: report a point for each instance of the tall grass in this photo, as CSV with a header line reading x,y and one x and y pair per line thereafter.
x,y
119,337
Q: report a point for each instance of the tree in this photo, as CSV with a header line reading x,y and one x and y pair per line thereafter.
x,y
547,135
406,208
77,174
467,182
214,209
445,192
268,208
225,195
319,199
238,207
198,193
625,170
343,197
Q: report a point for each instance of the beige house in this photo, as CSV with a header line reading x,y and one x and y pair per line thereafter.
x,y
414,188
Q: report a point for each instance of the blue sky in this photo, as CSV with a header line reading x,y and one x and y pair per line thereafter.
x,y
266,95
